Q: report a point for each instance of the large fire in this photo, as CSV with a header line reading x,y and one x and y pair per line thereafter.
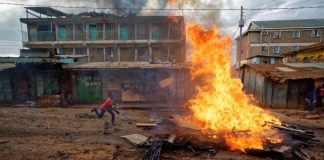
x,y
220,106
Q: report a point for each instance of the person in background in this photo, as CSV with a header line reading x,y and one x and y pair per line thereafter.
x,y
106,106
319,96
310,98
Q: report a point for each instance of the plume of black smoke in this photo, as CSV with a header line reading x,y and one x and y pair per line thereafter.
x,y
123,6
204,17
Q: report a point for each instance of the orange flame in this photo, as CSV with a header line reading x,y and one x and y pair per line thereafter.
x,y
220,106
173,2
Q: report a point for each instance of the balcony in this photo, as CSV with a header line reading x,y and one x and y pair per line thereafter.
x,y
24,37
94,35
42,36
65,36
79,36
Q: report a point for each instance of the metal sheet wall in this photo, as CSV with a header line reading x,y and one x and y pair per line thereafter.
x,y
89,88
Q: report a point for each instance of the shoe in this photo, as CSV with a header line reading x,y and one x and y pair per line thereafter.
x,y
93,109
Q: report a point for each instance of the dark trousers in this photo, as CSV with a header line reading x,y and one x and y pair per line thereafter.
x,y
319,101
101,113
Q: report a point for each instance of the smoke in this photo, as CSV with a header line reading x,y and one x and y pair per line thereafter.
x,y
122,6
206,18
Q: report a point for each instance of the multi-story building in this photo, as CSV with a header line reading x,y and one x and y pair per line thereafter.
x,y
107,37
137,58
264,42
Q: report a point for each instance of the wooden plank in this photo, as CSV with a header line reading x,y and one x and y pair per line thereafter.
x,y
314,116
166,82
146,124
171,138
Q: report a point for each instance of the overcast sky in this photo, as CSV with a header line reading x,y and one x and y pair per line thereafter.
x,y
227,21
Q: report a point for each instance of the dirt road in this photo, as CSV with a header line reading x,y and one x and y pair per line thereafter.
x,y
75,133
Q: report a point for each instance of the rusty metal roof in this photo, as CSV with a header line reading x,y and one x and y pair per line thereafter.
x,y
47,11
298,23
4,66
111,65
313,47
281,72
315,65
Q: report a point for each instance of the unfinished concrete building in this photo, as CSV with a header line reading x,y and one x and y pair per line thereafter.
x,y
107,37
128,55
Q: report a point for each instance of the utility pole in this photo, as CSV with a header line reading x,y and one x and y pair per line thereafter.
x,y
241,25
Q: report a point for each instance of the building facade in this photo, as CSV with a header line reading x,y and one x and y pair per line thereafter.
x,y
273,38
136,58
107,37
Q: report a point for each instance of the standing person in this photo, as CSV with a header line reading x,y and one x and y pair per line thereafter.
x,y
310,96
319,96
106,106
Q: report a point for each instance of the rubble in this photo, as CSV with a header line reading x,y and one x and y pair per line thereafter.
x,y
136,139
49,101
154,152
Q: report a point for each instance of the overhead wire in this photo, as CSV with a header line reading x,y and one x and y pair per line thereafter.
x,y
168,9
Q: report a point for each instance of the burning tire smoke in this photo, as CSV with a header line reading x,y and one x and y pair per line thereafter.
x,y
220,105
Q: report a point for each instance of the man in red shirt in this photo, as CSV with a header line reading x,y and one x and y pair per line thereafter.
x,y
106,106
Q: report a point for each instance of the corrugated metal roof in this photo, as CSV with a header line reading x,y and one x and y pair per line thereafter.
x,y
35,60
5,66
300,23
315,65
47,11
271,71
111,65
286,69
313,47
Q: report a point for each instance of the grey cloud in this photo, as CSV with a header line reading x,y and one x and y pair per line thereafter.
x,y
226,20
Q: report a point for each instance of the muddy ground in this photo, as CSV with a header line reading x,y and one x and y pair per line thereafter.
x,y
75,133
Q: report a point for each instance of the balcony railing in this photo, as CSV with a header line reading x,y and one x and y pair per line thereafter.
x,y
79,36
42,36
24,35
68,36
95,35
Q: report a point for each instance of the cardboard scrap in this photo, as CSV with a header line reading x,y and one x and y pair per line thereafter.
x,y
166,82
135,139
185,123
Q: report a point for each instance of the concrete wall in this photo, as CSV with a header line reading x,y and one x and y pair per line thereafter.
x,y
311,56
253,41
139,85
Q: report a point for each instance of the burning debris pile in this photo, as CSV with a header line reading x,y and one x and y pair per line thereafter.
x,y
222,116
187,138
220,106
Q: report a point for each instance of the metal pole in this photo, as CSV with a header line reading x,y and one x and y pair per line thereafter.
x,y
241,25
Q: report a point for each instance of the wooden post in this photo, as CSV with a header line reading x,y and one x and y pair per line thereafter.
x,y
104,54
88,53
104,31
73,32
118,52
